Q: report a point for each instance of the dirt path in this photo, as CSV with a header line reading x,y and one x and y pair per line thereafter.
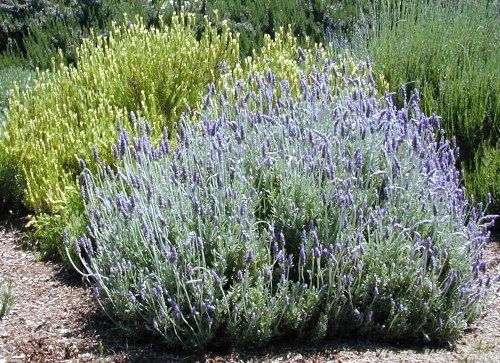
x,y
54,319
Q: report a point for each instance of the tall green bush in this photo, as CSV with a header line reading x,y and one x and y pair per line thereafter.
x,y
317,20
449,51
38,30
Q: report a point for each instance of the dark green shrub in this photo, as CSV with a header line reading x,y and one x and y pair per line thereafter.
x,y
449,51
18,18
11,184
313,19
39,29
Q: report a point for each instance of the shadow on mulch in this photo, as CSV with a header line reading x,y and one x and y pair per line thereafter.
x,y
119,348
12,220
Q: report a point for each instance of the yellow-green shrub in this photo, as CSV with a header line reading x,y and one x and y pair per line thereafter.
x,y
156,73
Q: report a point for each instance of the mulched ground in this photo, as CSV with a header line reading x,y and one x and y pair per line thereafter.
x,y
55,319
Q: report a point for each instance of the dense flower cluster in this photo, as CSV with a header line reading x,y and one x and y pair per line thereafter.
x,y
332,213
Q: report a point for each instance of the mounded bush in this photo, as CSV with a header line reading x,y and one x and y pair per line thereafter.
x,y
329,214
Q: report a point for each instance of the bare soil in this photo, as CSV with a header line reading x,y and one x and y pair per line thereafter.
x,y
55,319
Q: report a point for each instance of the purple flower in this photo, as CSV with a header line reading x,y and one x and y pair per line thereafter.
x,y
285,87
95,154
302,255
172,255
208,307
249,257
271,79
241,276
346,280
199,243
142,289
96,292
157,290
358,159
131,298
216,277
175,308
65,237
301,55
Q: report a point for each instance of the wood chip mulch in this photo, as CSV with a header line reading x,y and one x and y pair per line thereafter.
x,y
55,319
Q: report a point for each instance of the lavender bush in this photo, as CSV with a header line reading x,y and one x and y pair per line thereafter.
x,y
331,214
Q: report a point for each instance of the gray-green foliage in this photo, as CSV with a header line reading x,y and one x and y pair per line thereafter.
x,y
6,298
9,76
331,214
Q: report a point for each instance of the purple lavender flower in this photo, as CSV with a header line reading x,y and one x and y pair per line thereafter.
x,y
216,277
157,290
96,292
249,257
302,255
210,320
131,298
176,312
346,280
65,237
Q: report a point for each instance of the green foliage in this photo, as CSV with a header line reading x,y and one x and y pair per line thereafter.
x,y
11,184
308,19
38,30
18,16
449,51
8,77
254,19
484,175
